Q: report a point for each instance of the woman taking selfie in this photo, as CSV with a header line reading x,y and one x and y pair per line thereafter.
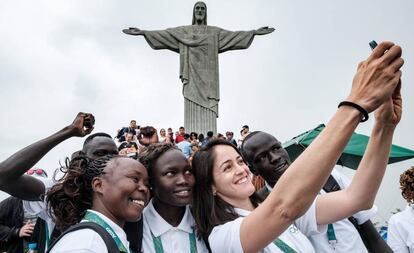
x,y
230,216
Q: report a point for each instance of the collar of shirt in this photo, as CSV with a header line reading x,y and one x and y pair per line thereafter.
x,y
159,226
117,229
242,212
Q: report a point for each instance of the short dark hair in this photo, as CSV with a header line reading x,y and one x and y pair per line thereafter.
x,y
92,136
201,137
148,131
210,134
181,127
243,151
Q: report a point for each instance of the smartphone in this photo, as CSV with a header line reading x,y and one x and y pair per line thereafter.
x,y
373,44
89,122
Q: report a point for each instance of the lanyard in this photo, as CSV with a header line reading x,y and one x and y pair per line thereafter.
x,y
331,235
159,248
47,235
283,246
89,216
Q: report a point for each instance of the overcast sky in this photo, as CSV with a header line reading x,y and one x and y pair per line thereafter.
x,y
61,57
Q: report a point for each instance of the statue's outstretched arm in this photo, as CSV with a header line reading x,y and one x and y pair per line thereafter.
x,y
264,30
134,31
157,39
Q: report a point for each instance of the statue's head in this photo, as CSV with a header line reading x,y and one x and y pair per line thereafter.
x,y
200,13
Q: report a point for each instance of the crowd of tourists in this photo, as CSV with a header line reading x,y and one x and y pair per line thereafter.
x,y
160,191
131,140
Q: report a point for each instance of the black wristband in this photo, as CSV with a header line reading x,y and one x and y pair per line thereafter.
x,y
358,107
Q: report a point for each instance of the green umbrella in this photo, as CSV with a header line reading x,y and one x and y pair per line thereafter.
x,y
353,152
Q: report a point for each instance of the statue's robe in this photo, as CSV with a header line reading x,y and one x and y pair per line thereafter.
x,y
199,46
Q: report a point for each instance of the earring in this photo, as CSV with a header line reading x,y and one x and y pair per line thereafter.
x,y
214,193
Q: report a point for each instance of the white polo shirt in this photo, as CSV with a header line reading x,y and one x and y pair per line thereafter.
x,y
87,240
348,238
226,237
401,231
173,239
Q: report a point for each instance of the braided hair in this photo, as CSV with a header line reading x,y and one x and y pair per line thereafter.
x,y
68,200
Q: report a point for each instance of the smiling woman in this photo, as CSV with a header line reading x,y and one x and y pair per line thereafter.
x,y
225,210
109,191
168,222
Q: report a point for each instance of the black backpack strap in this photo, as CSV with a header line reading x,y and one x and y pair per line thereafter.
x,y
331,185
39,235
369,235
55,235
134,231
109,241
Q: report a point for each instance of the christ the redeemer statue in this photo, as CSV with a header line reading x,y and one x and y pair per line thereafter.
x,y
199,45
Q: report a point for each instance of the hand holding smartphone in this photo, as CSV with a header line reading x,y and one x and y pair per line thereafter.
x,y
89,121
373,44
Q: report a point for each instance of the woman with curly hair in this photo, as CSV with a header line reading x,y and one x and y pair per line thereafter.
x,y
109,191
401,225
168,222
